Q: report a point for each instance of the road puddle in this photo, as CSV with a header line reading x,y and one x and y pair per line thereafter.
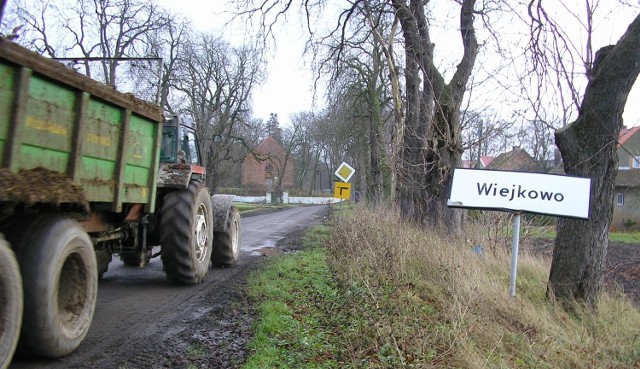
x,y
266,248
267,251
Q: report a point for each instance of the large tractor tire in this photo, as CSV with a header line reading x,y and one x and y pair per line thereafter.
x,y
10,303
226,242
186,234
60,278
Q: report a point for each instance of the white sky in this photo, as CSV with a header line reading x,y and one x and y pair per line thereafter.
x,y
288,87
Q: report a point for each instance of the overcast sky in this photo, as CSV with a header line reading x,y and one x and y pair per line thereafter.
x,y
288,90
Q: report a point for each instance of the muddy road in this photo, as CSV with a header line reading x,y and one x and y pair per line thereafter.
x,y
144,321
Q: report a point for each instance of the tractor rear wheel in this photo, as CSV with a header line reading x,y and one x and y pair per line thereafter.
x,y
226,243
186,234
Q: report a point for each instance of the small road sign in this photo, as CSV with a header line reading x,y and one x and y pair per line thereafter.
x,y
342,190
345,171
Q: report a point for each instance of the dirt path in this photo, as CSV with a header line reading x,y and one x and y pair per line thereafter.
x,y
623,265
143,321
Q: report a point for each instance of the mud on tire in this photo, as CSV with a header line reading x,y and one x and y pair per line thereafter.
x,y
186,234
10,303
226,243
60,279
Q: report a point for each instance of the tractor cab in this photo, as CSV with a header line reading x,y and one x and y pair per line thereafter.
x,y
180,160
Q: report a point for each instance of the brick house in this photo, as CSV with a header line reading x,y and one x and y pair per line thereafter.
x,y
262,170
516,160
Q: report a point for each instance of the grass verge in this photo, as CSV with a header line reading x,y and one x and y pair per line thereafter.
x,y
293,293
384,294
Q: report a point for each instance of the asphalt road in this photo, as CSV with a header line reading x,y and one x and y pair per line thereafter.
x,y
141,319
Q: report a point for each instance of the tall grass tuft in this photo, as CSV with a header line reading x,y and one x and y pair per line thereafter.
x,y
415,298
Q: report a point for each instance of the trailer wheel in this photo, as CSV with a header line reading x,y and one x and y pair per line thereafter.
x,y
10,303
186,234
226,243
60,279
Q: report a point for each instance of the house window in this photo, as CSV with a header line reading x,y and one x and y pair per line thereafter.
x,y
619,198
268,167
636,161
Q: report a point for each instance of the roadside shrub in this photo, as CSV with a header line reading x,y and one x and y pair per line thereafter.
x,y
416,298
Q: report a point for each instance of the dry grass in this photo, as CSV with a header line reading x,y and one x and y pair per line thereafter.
x,y
414,298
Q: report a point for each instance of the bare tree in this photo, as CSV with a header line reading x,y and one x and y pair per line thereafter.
x,y
484,134
432,133
588,144
215,82
107,29
588,148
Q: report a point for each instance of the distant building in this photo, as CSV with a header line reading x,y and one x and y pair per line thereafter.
x,y
629,148
626,201
262,168
477,164
516,160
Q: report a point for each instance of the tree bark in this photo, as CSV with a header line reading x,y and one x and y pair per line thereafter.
x,y
588,147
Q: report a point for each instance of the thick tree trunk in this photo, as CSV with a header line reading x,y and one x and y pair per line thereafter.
x,y
443,156
432,142
588,147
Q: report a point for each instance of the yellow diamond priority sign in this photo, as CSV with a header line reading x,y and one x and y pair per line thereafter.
x,y
344,172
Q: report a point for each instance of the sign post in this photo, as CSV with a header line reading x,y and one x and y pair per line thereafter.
x,y
514,255
343,189
519,192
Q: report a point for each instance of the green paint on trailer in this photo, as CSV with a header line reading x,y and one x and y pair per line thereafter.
x,y
77,128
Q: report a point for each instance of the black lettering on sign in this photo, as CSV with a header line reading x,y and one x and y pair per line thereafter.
x,y
492,189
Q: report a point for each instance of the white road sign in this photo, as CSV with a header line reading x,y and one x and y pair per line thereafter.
x,y
518,191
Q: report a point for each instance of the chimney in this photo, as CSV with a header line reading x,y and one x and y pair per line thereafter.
x,y
516,148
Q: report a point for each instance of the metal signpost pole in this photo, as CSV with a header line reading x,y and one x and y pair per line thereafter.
x,y
514,256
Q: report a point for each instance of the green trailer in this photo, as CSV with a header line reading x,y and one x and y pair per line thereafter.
x,y
53,118
88,172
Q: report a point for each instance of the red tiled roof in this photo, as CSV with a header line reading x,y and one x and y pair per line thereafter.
x,y
516,160
486,160
627,133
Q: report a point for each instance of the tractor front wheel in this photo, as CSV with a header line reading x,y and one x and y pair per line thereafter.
x,y
186,234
